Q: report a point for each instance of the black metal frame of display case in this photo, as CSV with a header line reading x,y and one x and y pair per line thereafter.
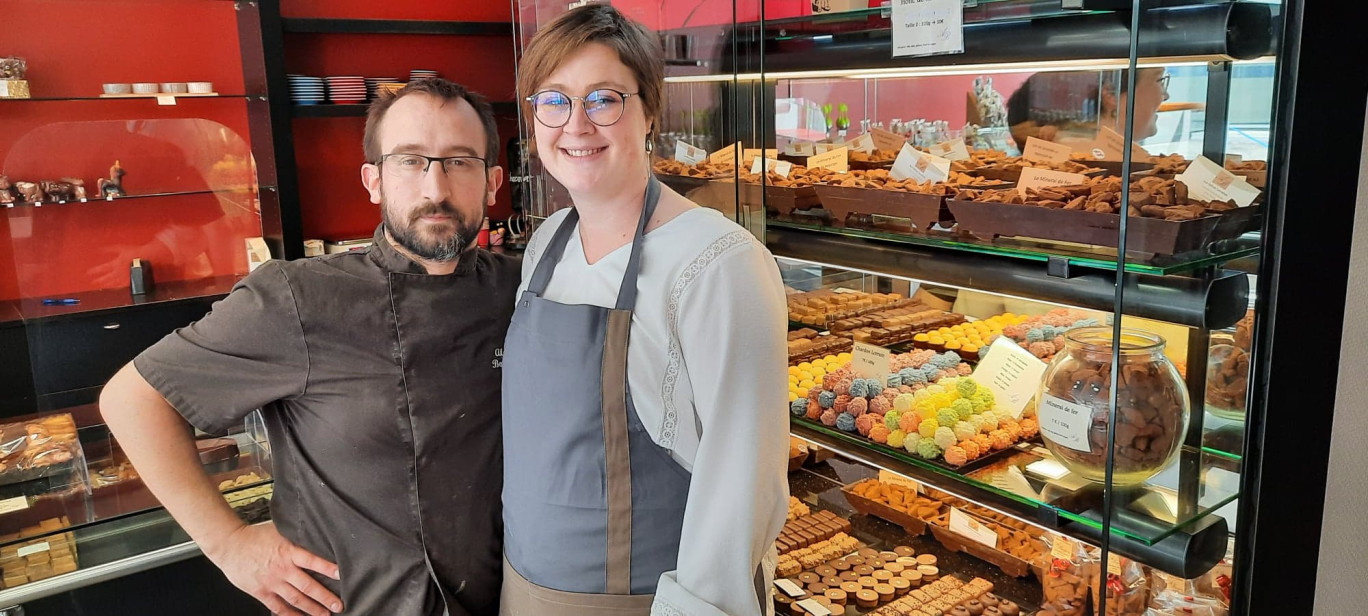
x,y
1319,111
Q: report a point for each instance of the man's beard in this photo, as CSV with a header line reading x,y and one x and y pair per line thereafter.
x,y
438,250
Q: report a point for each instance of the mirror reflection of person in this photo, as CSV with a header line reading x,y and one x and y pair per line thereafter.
x,y
1055,106
377,373
650,473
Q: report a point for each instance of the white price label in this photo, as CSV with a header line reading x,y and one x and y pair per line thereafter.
x,y
166,99
801,148
1209,181
887,141
895,479
951,150
1065,423
1042,151
920,166
789,587
814,608
863,143
1011,373
927,27
962,524
689,154
1032,177
836,160
1112,146
18,503
781,167
870,362
34,549
724,155
1063,548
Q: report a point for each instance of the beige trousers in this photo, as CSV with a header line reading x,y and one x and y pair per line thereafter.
x,y
523,598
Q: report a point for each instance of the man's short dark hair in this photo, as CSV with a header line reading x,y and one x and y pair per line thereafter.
x,y
440,89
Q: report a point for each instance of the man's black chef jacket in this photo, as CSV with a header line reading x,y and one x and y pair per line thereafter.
x,y
380,387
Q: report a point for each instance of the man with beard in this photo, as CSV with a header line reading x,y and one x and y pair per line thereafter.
x,y
378,374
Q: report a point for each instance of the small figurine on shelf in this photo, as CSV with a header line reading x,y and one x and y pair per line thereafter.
x,y
77,188
29,192
113,185
58,191
7,194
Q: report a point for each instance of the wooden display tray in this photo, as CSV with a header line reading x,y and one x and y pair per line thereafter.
x,y
1002,175
1145,235
970,467
781,199
914,526
955,542
796,462
922,209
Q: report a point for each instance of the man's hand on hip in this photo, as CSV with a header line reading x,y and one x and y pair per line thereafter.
x,y
266,565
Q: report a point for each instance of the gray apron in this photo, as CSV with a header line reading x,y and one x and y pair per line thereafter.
x,y
593,508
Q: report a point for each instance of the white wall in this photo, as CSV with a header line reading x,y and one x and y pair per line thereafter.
x,y
1344,538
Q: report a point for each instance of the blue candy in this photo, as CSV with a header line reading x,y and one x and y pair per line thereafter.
x,y
1035,335
895,380
912,376
799,406
826,399
846,422
859,389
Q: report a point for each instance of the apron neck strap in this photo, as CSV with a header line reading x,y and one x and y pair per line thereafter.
x,y
626,300
627,293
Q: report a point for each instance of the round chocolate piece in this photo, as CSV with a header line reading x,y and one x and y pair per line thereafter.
x,y
1009,608
929,574
885,592
808,577
824,571
866,598
958,610
989,600
913,576
867,552
851,587
901,585
894,568
992,611
837,596
883,575
831,581
974,606
903,550
906,561
841,565
868,582
817,588
849,576
864,570
926,559
781,601
888,557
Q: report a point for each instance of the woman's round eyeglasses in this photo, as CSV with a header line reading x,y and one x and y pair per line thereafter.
x,y
603,107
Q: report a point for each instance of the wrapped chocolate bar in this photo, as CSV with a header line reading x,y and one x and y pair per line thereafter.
x,y
44,448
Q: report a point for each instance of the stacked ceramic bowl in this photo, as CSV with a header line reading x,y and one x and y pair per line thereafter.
x,y
373,84
347,90
305,90
416,74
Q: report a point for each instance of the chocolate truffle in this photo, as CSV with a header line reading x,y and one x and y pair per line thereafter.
x,y
1009,608
989,600
975,607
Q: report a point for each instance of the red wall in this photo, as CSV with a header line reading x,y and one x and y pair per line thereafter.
x,y
328,150
65,248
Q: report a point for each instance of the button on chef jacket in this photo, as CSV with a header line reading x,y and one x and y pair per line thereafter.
x,y
380,388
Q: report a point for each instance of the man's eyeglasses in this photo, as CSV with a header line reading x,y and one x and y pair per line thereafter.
x,y
603,107
415,166
1164,81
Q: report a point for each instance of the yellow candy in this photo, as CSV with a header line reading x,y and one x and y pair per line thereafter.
x,y
806,375
808,384
793,396
918,338
803,391
844,357
805,366
793,370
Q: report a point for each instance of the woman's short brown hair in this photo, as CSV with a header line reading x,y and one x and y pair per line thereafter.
x,y
635,45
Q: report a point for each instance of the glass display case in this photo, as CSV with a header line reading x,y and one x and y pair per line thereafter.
x,y
136,178
1080,207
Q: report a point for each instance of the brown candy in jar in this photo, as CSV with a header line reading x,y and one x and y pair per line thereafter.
x,y
1152,405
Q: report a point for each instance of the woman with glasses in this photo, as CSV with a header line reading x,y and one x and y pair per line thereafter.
x,y
644,387
1047,105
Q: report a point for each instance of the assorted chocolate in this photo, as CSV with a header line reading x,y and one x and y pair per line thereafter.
x,y
1151,197
38,559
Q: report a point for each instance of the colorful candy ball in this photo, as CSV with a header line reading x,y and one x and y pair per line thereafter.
x,y
829,417
845,422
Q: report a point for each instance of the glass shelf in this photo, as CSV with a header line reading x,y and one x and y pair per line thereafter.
x,y
157,195
1147,514
1091,257
975,11
117,493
